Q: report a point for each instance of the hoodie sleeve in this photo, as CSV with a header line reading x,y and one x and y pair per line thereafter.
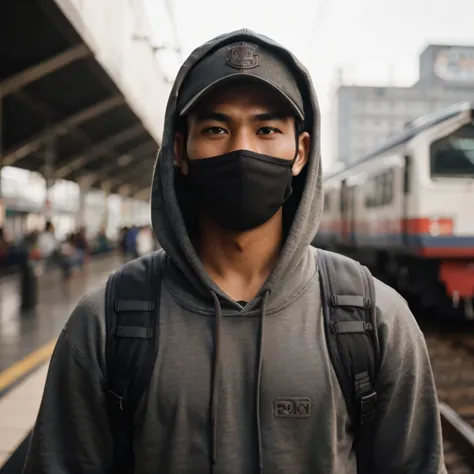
x,y
72,433
408,434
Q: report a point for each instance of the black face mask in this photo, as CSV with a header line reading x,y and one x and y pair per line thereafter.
x,y
242,189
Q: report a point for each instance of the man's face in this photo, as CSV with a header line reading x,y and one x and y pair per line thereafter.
x,y
242,117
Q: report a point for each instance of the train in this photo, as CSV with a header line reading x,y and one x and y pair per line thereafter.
x,y
406,211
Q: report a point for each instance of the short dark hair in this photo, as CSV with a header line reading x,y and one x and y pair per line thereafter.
x,y
300,126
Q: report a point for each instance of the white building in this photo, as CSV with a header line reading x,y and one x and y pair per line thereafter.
x,y
366,117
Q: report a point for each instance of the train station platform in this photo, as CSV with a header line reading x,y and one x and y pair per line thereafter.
x,y
82,102
26,343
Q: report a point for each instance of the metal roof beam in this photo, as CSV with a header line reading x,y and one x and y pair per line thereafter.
x,y
114,172
61,128
135,187
132,159
47,113
102,175
130,176
95,150
142,181
33,73
98,150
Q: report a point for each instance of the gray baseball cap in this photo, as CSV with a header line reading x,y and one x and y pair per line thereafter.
x,y
236,61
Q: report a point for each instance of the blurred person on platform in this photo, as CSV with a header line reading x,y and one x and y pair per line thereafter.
x,y
48,245
4,246
145,241
82,244
131,242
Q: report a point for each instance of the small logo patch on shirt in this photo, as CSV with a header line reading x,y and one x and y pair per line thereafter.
x,y
292,407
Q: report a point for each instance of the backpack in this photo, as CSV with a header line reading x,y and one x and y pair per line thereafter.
x,y
349,309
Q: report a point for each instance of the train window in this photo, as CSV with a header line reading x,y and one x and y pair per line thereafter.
x,y
453,155
327,201
368,200
346,198
407,175
369,193
379,190
343,198
388,188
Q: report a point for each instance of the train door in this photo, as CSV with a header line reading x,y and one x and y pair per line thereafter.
x,y
347,213
352,214
342,213
407,186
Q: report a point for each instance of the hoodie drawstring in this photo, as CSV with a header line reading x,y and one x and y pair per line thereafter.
x,y
259,381
215,380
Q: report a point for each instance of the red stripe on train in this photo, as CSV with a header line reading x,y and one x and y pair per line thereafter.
x,y
422,225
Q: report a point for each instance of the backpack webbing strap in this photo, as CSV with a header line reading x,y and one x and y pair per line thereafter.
x,y
132,312
349,308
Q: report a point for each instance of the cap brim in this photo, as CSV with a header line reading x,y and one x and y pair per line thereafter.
x,y
232,78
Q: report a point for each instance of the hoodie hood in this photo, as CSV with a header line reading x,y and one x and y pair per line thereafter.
x,y
303,214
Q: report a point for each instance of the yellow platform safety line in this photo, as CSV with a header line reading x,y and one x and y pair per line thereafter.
x,y
33,360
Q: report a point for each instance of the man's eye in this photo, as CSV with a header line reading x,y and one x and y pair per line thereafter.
x,y
214,130
268,131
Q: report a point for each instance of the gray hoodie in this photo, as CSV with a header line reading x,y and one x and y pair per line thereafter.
x,y
174,434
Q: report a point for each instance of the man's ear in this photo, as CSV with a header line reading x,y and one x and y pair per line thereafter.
x,y
179,151
304,143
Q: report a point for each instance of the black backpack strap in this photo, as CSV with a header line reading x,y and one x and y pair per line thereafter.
x,y
132,312
349,308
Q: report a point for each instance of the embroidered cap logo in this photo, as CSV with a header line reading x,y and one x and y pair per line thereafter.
x,y
242,57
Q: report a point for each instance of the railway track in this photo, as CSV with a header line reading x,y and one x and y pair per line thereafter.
x,y
452,359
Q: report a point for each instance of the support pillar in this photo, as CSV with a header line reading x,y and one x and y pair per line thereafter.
x,y
2,202
106,187
81,213
49,161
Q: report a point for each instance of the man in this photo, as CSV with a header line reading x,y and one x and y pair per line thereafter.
x,y
48,244
236,202
145,241
131,242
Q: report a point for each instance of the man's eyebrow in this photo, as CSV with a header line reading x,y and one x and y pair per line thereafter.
x,y
209,115
271,116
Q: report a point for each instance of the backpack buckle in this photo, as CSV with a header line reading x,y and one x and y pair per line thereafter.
x,y
368,327
367,407
117,399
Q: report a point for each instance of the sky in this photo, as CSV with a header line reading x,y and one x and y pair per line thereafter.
x,y
372,42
